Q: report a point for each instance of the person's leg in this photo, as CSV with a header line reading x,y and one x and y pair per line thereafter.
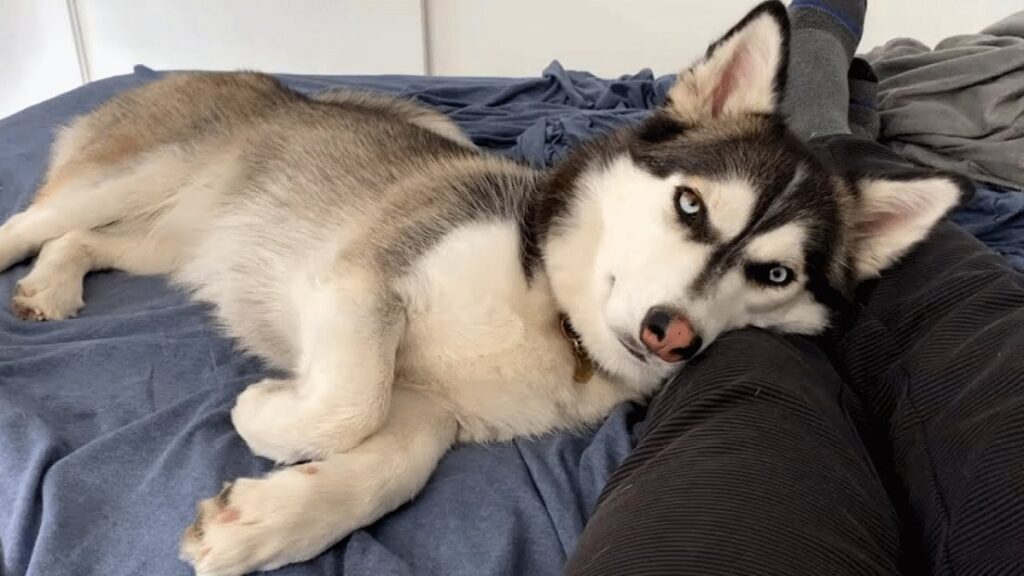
x,y
936,352
825,34
748,464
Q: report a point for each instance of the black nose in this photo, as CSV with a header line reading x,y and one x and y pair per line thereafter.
x,y
657,321
688,352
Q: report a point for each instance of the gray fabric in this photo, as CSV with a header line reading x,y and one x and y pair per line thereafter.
x,y
825,34
844,19
959,106
817,96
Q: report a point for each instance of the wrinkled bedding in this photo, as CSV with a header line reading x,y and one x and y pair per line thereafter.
x,y
960,105
112,424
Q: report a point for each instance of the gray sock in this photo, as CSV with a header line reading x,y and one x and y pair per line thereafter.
x,y
863,116
825,34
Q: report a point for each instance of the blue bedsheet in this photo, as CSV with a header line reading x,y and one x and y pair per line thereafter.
x,y
112,424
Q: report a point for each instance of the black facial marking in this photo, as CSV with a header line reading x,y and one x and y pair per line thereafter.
x,y
823,291
771,210
559,189
760,150
755,148
660,127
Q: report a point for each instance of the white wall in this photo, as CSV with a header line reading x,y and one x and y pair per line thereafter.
x,y
607,37
39,56
37,52
613,37
300,36
931,20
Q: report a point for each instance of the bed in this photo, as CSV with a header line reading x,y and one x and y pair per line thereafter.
x,y
114,423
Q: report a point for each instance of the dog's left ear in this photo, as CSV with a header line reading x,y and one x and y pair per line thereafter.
x,y
895,213
744,72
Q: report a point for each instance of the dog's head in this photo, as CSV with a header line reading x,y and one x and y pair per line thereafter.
x,y
712,216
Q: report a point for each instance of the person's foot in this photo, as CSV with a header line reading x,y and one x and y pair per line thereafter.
x,y
825,35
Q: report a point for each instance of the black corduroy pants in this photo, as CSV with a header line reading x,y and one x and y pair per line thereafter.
x,y
898,448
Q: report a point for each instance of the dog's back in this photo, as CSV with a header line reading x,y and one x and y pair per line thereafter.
x,y
188,108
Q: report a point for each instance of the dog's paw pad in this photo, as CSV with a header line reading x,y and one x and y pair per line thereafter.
x,y
251,525
209,512
26,311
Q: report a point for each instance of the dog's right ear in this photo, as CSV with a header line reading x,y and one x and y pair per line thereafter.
x,y
744,72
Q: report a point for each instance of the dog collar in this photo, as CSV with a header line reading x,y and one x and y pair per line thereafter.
x,y
584,364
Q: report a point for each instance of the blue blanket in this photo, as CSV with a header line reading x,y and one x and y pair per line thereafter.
x,y
114,423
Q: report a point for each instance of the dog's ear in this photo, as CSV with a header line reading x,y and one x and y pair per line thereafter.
x,y
894,213
744,72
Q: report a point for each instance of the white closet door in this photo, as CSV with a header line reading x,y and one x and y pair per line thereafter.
x,y
300,36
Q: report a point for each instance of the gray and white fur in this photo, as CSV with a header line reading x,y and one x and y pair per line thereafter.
x,y
412,285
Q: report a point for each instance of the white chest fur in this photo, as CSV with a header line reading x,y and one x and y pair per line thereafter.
x,y
488,343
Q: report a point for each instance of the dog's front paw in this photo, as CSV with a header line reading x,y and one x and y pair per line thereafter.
x,y
258,525
39,300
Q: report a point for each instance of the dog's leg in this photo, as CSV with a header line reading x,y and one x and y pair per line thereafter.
x,y
26,231
83,198
349,325
53,289
295,513
62,210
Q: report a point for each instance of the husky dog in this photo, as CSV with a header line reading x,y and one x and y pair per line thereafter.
x,y
422,293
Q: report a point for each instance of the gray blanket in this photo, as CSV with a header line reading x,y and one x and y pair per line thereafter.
x,y
959,106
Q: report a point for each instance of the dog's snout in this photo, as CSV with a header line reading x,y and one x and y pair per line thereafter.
x,y
669,335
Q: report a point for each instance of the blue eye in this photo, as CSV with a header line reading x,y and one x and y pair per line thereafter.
x,y
771,274
778,275
688,201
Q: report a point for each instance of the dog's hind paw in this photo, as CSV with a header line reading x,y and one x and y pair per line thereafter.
x,y
41,301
